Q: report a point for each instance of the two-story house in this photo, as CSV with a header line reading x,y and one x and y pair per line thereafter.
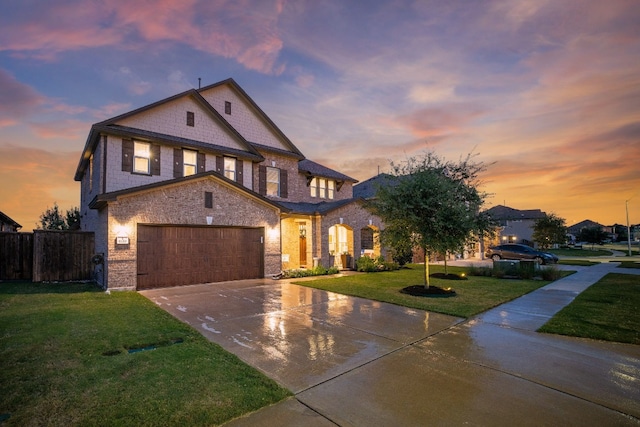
x,y
204,187
515,225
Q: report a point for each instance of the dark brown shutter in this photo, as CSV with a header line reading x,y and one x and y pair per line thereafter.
x,y
155,159
284,184
177,163
220,165
239,171
208,199
202,158
262,180
127,155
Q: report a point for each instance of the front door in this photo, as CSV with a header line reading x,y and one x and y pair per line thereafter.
x,y
303,244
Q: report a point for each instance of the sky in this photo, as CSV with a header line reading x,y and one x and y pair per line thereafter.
x,y
546,93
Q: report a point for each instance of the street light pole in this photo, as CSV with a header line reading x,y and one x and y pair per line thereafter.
x,y
626,205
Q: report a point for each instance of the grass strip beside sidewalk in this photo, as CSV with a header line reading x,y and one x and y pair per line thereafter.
x,y
72,355
607,310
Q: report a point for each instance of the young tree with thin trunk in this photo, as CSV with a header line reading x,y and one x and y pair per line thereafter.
x,y
549,230
432,203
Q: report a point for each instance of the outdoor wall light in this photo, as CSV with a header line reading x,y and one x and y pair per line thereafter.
x,y
122,234
209,220
370,222
272,233
341,220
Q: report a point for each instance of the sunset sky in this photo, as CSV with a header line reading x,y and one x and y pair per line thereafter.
x,y
546,92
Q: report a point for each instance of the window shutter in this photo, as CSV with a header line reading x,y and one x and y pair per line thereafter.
x,y
262,180
155,159
239,171
177,163
127,155
284,184
220,165
201,162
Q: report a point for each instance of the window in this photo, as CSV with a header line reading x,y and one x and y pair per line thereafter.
x,y
331,185
141,157
230,168
323,188
208,199
189,162
273,181
91,173
227,107
313,187
191,118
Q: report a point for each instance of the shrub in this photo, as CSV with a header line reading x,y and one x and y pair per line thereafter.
x,y
370,265
475,270
551,273
315,271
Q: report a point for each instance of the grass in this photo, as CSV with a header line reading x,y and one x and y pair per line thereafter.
x,y
629,264
65,361
607,310
475,295
581,262
580,252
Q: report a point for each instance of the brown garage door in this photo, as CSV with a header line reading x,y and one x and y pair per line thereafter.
x,y
175,255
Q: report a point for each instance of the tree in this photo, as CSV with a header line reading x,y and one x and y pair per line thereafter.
x,y
593,235
432,204
52,219
549,230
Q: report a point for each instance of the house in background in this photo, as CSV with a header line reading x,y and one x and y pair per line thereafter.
x,y
515,226
574,231
204,187
7,224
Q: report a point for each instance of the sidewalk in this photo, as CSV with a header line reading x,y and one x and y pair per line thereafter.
x,y
493,369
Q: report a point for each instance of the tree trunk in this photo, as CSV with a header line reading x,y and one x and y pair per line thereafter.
x,y
426,269
446,271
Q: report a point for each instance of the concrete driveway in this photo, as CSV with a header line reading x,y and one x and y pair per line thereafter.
x,y
352,361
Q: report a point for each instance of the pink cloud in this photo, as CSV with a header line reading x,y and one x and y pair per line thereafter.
x,y
17,100
243,30
441,120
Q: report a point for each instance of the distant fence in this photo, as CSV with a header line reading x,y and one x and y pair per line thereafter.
x,y
46,255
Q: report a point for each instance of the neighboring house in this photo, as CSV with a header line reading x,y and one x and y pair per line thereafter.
x,y
574,231
515,226
7,224
204,187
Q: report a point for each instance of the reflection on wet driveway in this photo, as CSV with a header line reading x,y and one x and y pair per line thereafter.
x,y
298,336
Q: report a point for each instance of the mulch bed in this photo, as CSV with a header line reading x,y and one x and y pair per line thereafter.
x,y
449,276
432,291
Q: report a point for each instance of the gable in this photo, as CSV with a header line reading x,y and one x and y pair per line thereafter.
x,y
246,117
173,118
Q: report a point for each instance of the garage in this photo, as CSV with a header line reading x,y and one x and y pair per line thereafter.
x,y
170,255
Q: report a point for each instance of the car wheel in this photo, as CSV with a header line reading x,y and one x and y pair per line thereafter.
x,y
495,257
538,260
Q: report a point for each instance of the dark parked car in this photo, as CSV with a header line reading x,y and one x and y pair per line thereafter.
x,y
516,251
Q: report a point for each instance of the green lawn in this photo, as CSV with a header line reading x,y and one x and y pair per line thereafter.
x,y
629,264
586,252
475,295
64,350
581,262
607,310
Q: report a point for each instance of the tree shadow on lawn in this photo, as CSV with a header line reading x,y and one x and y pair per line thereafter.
x,y
25,287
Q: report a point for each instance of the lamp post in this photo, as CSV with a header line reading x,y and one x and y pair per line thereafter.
x,y
626,206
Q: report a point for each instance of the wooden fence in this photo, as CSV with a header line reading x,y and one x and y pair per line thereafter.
x,y
47,255
16,256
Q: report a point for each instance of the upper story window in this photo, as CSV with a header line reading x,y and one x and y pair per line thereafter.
x,y
227,107
189,162
141,157
273,181
322,188
313,187
191,118
230,168
331,186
